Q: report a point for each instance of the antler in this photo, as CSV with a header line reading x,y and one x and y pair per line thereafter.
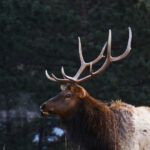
x,y
90,64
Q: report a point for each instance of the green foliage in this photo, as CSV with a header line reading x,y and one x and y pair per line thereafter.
x,y
36,35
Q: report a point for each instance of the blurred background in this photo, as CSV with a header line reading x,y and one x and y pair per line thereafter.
x,y
42,34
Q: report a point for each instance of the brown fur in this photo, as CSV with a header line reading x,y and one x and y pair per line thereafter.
x,y
90,123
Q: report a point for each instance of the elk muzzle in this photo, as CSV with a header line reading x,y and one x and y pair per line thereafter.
x,y
44,110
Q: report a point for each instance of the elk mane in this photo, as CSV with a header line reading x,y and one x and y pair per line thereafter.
x,y
94,123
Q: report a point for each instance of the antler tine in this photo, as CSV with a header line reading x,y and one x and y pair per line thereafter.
x,y
49,77
91,69
127,51
109,46
80,52
83,63
54,78
82,66
100,56
67,77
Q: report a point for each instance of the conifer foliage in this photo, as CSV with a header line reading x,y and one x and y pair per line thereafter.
x,y
36,35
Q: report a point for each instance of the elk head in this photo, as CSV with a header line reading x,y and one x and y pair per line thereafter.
x,y
72,93
66,101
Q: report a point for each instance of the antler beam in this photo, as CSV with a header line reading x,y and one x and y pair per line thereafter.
x,y
90,64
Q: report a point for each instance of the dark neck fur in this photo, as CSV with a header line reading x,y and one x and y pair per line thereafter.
x,y
92,126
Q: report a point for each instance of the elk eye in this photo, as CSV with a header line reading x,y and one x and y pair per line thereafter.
x,y
67,95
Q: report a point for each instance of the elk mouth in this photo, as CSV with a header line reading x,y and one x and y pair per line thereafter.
x,y
46,113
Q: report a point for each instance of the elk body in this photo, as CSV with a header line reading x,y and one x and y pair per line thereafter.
x,y
95,125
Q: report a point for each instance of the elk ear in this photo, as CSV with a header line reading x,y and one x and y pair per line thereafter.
x,y
81,92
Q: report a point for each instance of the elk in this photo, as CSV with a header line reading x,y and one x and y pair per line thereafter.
x,y
92,124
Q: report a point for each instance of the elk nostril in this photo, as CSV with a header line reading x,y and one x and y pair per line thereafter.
x,y
42,107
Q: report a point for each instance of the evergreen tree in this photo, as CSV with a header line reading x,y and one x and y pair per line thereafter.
x,y
36,35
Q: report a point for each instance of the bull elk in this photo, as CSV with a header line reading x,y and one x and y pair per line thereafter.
x,y
92,124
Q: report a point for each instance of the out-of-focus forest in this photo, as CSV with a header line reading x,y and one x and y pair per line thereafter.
x,y
42,34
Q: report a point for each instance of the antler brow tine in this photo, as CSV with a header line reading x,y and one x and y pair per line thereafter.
x,y
54,78
49,77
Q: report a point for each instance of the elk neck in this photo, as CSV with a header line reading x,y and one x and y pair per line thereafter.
x,y
92,120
